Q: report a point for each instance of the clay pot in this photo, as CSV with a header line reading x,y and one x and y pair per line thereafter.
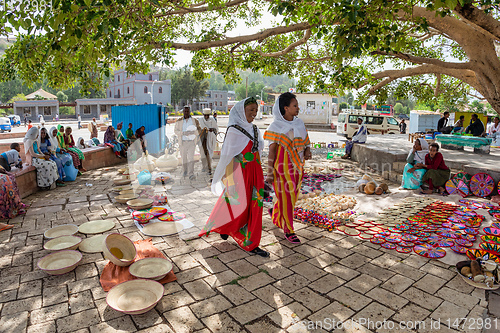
x,y
379,190
370,188
384,187
362,187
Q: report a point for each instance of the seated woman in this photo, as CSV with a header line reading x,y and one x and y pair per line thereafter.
x,y
109,139
412,176
45,148
358,137
119,136
10,201
437,173
46,170
141,135
70,145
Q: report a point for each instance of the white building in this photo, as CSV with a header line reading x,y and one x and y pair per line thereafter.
x,y
315,108
97,107
143,88
34,107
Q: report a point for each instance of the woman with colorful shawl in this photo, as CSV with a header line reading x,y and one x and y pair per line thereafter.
x,y
70,145
109,139
289,147
412,176
437,173
10,200
46,170
93,129
46,149
239,181
119,136
60,152
62,144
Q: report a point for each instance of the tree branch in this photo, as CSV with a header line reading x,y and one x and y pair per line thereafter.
x,y
197,8
289,48
233,40
424,60
479,18
438,85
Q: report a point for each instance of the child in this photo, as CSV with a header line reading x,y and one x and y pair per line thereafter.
x,y
71,146
11,157
29,125
129,133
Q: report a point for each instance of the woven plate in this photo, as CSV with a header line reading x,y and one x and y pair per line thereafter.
x,y
490,239
165,228
123,198
472,254
60,262
96,227
151,268
131,191
135,296
63,243
62,230
93,244
121,181
138,204
118,189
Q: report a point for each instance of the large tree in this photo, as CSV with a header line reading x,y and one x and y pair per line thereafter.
x,y
424,48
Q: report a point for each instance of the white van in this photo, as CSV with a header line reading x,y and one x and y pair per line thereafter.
x,y
347,123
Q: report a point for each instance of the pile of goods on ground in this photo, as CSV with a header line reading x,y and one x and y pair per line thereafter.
x,y
464,184
368,186
480,273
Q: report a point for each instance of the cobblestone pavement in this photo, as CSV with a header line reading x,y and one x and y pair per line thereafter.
x,y
221,288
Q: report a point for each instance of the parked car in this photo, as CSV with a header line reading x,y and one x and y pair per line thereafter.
x,y
5,124
15,120
347,123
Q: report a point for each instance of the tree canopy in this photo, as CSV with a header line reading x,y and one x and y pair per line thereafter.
x,y
430,50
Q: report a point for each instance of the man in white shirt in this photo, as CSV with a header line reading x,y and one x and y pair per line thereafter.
x,y
79,121
208,139
188,131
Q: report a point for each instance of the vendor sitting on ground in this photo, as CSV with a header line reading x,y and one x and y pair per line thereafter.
x,y
443,124
11,157
412,176
475,127
459,125
358,137
437,172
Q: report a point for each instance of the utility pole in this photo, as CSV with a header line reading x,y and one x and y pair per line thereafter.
x,y
246,88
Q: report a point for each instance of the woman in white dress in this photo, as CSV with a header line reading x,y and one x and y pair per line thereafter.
x,y
46,170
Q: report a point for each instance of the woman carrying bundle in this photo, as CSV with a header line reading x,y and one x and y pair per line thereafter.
x,y
239,181
289,147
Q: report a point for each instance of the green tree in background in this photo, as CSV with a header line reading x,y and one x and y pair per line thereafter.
x,y
185,88
18,97
477,107
398,108
61,96
254,89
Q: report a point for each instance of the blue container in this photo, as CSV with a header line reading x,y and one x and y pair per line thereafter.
x,y
144,177
151,116
436,133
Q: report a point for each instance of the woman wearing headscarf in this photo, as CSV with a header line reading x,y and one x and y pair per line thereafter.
x,y
119,136
437,173
60,153
93,128
358,137
46,170
46,149
70,145
141,135
109,139
10,200
412,176
62,144
289,147
239,181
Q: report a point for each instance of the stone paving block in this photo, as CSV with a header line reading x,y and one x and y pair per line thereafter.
x,y
220,279
367,251
85,284
77,321
354,260
349,298
348,242
81,301
9,282
441,272
425,300
224,246
323,260
118,325
48,327
161,328
49,313
191,274
199,289
54,295
275,270
85,271
411,312
6,296
373,313
430,283
222,323
458,283
308,234
363,283
29,289
291,283
26,304
106,312
185,261
458,298
289,314
272,296
308,271
335,311
14,322
305,326
415,261
236,294
292,260
341,271
263,326
279,250
22,259
397,284
448,310
249,311
213,265
58,280
310,299
210,306
176,300
387,298
407,271
308,251
256,281
242,267
98,293
386,260
148,319
326,283
15,270
232,255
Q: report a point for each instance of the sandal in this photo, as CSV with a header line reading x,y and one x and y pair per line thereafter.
x,y
260,252
292,238
224,237
270,211
4,226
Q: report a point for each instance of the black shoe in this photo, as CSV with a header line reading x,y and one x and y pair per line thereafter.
x,y
260,252
224,237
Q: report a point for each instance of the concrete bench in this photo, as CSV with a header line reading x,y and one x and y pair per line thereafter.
x,y
457,142
95,157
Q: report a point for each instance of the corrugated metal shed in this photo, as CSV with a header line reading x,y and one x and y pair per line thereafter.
x,y
151,116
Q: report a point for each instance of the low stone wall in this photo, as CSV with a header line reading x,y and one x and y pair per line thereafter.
x,y
11,135
95,158
378,159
